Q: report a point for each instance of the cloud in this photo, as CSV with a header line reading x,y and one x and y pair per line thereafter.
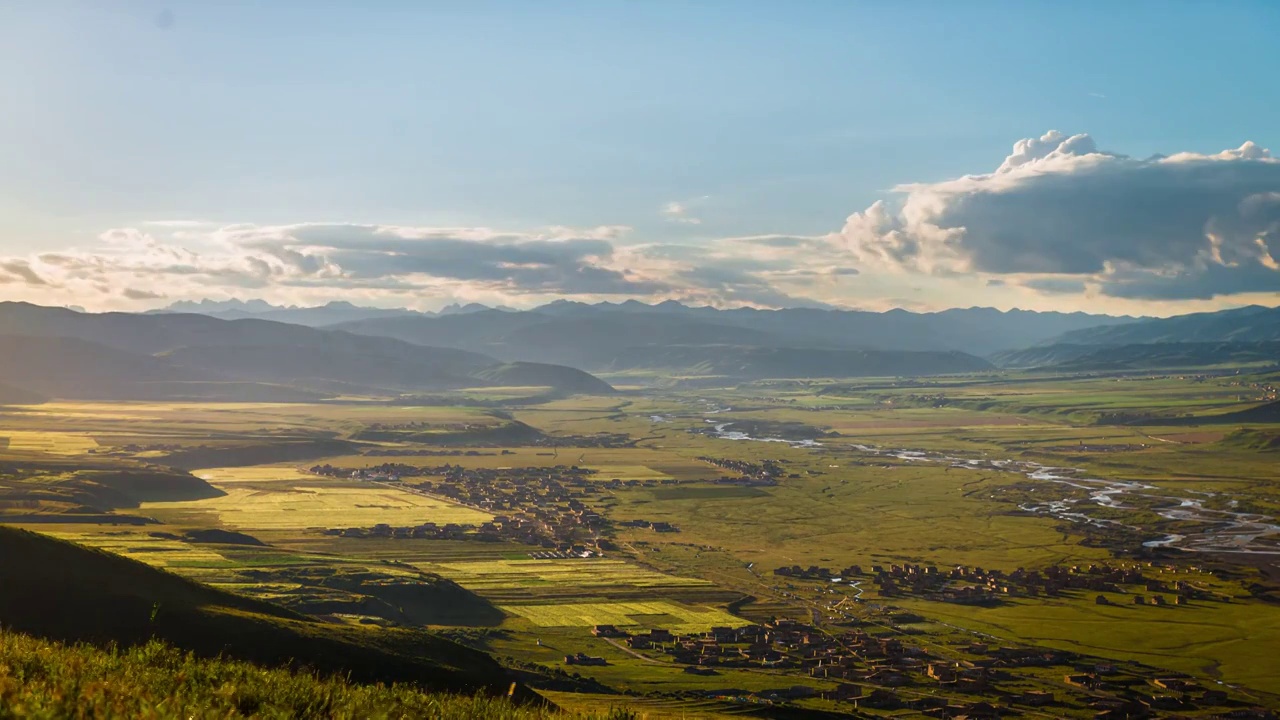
x,y
19,271
680,211
1187,225
135,294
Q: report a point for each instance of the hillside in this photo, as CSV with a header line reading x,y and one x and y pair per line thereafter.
x,y
776,362
351,369
41,679
64,592
54,352
1266,413
76,490
1248,324
1083,357
526,374
10,395
73,367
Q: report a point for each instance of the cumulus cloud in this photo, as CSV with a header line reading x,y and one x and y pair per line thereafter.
x,y
1059,214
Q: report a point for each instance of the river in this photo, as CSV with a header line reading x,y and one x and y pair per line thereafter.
x,y
1225,531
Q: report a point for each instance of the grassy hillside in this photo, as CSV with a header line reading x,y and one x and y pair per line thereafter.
x,y
79,368
788,362
33,490
41,679
524,374
65,592
1248,324
10,395
362,369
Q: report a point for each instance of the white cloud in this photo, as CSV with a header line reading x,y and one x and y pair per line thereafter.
x,y
1184,226
681,211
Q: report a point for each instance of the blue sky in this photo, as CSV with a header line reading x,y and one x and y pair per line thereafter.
x,y
753,118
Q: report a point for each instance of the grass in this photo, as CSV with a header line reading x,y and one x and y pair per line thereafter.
x,y
155,681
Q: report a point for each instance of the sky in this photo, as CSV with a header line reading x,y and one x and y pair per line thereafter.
x,y
1096,156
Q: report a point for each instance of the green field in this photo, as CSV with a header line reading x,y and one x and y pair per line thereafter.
x,y
831,505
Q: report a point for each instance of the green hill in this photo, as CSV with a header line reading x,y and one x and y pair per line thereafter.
x,y
527,374
1139,356
793,362
1247,324
64,592
42,679
1254,439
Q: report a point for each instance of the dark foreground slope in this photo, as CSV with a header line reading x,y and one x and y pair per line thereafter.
x,y
65,592
40,679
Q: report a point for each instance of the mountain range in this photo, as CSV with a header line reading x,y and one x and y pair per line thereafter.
x,y
55,352
61,353
329,314
977,331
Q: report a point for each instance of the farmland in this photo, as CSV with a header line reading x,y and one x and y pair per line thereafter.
x,y
670,510
304,506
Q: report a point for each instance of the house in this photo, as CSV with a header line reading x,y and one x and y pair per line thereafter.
x,y
1035,698
607,631
584,659
844,691
660,635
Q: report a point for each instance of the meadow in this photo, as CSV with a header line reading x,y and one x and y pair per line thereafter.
x,y
830,504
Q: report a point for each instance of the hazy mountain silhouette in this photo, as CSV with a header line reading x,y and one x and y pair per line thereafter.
x,y
56,352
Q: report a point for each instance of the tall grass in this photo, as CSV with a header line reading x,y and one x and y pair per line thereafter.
x,y
40,679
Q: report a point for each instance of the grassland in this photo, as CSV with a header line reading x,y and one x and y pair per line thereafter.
x,y
832,505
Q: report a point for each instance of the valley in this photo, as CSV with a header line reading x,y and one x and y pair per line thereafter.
x,y
729,549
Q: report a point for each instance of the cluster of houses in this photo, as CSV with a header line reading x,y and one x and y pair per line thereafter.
x,y
540,506
656,526
763,470
880,671
975,585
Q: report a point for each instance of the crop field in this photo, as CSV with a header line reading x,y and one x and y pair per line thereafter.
x,y
155,551
676,617
255,474
49,443
588,574
275,506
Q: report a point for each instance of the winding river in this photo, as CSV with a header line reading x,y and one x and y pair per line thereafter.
x,y
1221,531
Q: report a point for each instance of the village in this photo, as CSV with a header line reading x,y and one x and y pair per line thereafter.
x,y
977,586
880,671
539,506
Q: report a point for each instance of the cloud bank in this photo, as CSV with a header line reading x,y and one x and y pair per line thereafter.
x,y
1057,224
1063,215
